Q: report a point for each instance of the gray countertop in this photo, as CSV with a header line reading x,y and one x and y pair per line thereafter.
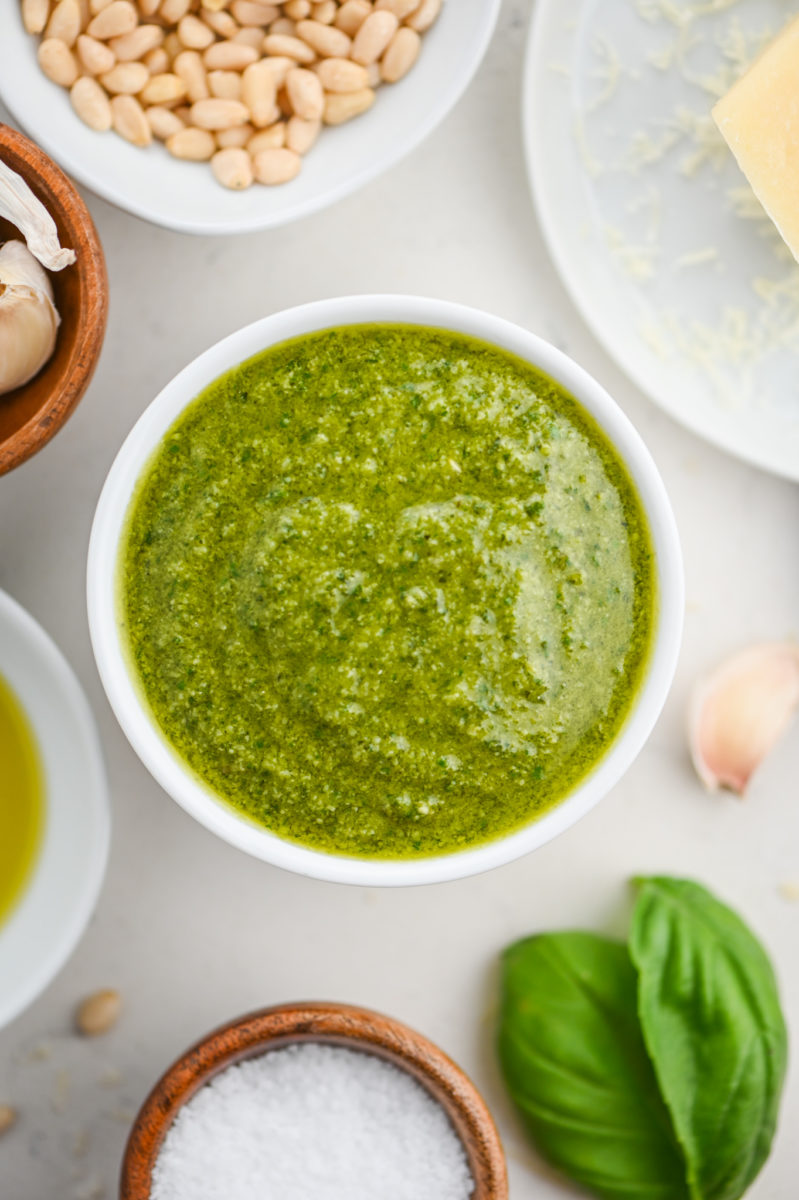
x,y
191,931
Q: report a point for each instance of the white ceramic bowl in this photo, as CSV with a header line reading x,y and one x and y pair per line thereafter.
x,y
43,929
141,729
185,196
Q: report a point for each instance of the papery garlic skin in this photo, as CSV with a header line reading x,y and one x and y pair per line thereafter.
x,y
739,714
28,317
19,205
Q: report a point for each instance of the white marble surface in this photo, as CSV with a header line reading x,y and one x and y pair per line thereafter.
x,y
193,932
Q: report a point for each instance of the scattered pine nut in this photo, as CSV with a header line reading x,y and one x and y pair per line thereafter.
x,y
8,1117
99,1013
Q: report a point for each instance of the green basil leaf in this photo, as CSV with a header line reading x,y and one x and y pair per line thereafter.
x,y
711,1018
576,1067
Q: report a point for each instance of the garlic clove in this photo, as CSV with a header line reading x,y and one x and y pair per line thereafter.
x,y
741,711
19,205
28,318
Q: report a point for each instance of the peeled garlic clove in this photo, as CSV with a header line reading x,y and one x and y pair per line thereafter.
x,y
739,714
19,206
28,318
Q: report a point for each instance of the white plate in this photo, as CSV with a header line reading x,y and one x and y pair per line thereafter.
x,y
185,196
643,210
43,929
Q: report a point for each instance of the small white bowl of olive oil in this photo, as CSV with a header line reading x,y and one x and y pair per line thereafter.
x,y
54,813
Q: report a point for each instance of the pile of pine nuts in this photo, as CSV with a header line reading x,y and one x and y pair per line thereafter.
x,y
243,84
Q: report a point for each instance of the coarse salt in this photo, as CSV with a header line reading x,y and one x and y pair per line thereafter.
x,y
312,1122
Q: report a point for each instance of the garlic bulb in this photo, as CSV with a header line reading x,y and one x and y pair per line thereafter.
x,y
739,714
19,206
28,318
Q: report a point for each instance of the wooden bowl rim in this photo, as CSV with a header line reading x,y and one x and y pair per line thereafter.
x,y
65,203
338,1024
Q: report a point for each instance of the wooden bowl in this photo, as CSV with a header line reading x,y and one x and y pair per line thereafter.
x,y
33,413
336,1024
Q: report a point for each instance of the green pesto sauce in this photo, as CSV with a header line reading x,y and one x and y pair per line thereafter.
x,y
388,590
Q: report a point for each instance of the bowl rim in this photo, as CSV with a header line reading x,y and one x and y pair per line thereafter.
x,y
45,176
87,889
330,1023
396,148
139,726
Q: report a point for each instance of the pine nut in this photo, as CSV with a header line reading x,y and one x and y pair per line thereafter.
x,y
372,38
128,119
373,75
225,85
324,12
91,103
229,56
341,75
268,139
64,22
157,61
346,105
35,14
172,45
173,10
164,89
118,18
194,33
232,167
125,78
283,27
149,7
189,67
214,5
351,16
301,134
327,41
221,23
96,6
276,166
218,114
99,1013
305,94
195,145
250,36
258,92
8,1117
424,16
238,136
95,57
248,12
163,122
288,47
400,8
297,9
132,47
400,55
58,62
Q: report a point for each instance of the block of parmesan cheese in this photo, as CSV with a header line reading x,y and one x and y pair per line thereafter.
x,y
759,119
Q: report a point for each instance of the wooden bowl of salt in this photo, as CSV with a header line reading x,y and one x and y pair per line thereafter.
x,y
435,1108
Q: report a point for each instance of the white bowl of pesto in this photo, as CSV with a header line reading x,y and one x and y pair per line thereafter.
x,y
54,814
395,602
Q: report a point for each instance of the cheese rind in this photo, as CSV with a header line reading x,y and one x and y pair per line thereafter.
x,y
759,119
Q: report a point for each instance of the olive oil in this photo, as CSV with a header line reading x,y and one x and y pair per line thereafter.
x,y
21,800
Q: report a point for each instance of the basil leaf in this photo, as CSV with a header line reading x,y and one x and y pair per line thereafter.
x,y
711,1018
576,1067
